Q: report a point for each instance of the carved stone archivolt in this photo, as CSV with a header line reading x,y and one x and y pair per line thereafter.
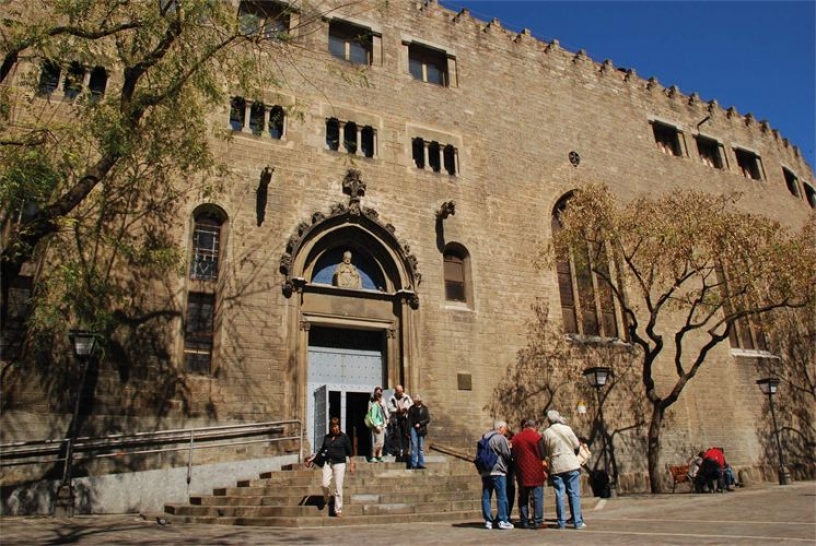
x,y
351,213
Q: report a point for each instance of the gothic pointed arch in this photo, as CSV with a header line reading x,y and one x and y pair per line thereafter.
x,y
387,264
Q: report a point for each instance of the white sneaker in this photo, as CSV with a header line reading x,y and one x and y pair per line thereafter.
x,y
505,525
581,526
488,525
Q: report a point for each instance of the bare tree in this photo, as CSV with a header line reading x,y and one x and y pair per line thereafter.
x,y
685,268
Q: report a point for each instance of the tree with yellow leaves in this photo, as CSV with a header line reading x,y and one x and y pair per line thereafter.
x,y
686,269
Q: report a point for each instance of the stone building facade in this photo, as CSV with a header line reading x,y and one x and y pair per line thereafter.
x,y
435,151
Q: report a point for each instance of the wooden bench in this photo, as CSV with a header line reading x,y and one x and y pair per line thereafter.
x,y
680,474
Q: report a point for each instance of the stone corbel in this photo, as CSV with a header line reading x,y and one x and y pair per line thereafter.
x,y
290,286
448,209
261,194
409,297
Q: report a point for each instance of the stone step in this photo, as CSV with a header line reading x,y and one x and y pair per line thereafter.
x,y
364,467
300,496
377,493
351,486
349,509
324,520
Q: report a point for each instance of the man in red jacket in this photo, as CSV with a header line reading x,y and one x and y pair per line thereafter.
x,y
529,459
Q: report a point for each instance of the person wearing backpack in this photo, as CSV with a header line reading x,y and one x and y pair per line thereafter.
x,y
561,444
493,448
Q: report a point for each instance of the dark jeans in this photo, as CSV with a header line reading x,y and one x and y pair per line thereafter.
x,y
709,473
537,495
401,442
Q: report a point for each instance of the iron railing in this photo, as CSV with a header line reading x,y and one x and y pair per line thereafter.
x,y
162,441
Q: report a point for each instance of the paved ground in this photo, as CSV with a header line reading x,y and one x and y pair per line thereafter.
x,y
761,514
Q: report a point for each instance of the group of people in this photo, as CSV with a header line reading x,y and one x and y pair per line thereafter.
x,y
531,458
708,471
398,426
402,420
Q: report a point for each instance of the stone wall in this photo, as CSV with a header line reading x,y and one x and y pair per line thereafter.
x,y
516,111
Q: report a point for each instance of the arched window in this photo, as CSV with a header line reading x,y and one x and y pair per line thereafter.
x,y
350,137
201,311
98,81
587,303
457,274
256,118
276,118
206,245
49,78
418,152
74,77
433,157
237,113
333,134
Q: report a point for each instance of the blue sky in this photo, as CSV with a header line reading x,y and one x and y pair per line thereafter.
x,y
758,56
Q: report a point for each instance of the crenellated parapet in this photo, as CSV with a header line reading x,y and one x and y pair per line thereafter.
x,y
524,43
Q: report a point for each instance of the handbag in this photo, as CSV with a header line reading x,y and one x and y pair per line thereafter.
x,y
319,458
584,454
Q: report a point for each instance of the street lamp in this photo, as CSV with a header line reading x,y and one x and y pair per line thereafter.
x,y
597,377
83,343
769,386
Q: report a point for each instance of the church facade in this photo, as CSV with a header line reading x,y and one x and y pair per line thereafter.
x,y
382,222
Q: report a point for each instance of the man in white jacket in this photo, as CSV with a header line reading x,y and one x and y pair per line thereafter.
x,y
565,469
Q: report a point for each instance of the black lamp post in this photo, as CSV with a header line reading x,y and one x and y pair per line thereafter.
x,y
769,386
597,377
83,343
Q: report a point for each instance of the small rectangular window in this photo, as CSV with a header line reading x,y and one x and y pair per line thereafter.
x,y
748,163
428,64
350,42
49,78
198,332
276,119
418,152
810,195
792,182
368,141
333,134
449,156
257,113
268,19
98,82
74,78
237,113
350,137
667,138
434,161
709,150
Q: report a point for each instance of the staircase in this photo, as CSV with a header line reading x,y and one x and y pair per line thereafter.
x,y
447,490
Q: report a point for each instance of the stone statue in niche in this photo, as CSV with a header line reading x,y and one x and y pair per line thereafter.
x,y
346,274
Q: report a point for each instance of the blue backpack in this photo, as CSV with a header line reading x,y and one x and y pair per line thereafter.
x,y
486,458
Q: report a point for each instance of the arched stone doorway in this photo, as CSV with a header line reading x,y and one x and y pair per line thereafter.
x,y
353,331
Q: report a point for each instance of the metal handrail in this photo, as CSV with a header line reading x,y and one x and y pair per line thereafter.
x,y
128,444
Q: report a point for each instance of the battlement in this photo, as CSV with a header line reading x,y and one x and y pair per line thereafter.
x,y
470,28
